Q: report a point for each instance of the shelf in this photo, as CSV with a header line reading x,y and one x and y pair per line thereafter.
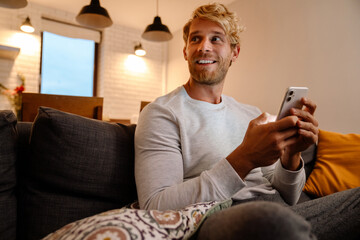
x,y
8,52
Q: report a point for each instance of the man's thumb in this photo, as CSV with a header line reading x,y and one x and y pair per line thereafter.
x,y
264,118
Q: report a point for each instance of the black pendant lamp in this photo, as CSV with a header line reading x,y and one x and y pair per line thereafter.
x,y
157,31
13,3
94,16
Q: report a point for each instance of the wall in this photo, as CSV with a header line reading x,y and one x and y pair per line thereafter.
x,y
178,72
294,43
123,79
28,61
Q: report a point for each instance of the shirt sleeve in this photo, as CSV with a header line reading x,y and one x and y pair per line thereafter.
x,y
159,172
288,183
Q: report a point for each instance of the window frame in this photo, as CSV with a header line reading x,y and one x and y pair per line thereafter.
x,y
96,54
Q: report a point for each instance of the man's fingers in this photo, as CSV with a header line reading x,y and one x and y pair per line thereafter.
x,y
308,136
284,123
307,126
289,133
310,106
305,116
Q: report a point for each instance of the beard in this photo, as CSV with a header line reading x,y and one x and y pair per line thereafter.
x,y
208,77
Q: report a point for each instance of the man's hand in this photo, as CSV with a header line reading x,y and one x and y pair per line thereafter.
x,y
307,134
264,143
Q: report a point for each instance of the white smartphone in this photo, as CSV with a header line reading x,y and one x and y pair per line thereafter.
x,y
292,99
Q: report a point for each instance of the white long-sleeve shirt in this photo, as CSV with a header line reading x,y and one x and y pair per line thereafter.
x,y
181,145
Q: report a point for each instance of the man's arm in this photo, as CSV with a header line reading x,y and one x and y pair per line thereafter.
x,y
289,177
267,141
159,169
288,183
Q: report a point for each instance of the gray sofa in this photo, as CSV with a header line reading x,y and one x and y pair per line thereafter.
x,y
64,167
61,168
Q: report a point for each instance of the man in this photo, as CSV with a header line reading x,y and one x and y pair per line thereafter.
x,y
196,145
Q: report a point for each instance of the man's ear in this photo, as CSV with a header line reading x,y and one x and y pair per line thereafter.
x,y
184,52
236,51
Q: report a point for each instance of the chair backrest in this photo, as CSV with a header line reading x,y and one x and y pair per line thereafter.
x,y
143,104
90,107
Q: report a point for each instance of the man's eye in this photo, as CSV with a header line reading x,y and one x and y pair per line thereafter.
x,y
194,39
215,39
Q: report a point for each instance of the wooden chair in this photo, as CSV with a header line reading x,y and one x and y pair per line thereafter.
x,y
90,107
128,121
143,104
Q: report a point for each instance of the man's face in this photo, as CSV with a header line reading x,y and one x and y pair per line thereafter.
x,y
208,52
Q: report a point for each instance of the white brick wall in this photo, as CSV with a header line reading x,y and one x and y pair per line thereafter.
x,y
122,87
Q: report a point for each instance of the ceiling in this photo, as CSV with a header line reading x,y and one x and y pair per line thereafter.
x,y
137,13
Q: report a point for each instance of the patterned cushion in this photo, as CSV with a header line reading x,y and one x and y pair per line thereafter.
x,y
128,223
78,167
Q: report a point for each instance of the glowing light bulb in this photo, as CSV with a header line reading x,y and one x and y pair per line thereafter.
x,y
27,27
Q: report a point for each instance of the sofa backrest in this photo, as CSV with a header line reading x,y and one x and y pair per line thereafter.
x,y
7,175
69,167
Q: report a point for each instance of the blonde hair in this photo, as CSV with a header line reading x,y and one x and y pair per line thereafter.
x,y
218,13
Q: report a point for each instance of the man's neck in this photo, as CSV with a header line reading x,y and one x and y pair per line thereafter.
x,y
203,92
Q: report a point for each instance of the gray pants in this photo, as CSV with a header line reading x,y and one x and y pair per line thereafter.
x,y
336,216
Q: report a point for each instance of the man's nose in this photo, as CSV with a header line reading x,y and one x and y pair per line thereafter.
x,y
204,46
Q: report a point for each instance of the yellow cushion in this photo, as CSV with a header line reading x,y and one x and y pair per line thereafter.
x,y
337,166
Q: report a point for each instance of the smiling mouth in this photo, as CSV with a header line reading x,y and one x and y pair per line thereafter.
x,y
205,61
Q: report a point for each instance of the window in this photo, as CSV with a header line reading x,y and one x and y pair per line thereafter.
x,y
67,65
68,58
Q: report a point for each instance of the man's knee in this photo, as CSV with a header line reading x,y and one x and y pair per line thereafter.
x,y
255,220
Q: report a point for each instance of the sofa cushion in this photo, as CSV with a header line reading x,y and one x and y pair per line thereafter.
x,y
78,167
337,166
135,224
7,175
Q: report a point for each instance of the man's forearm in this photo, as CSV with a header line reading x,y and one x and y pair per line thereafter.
x,y
216,184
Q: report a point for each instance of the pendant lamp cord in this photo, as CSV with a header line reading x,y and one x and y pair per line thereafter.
x,y
157,7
